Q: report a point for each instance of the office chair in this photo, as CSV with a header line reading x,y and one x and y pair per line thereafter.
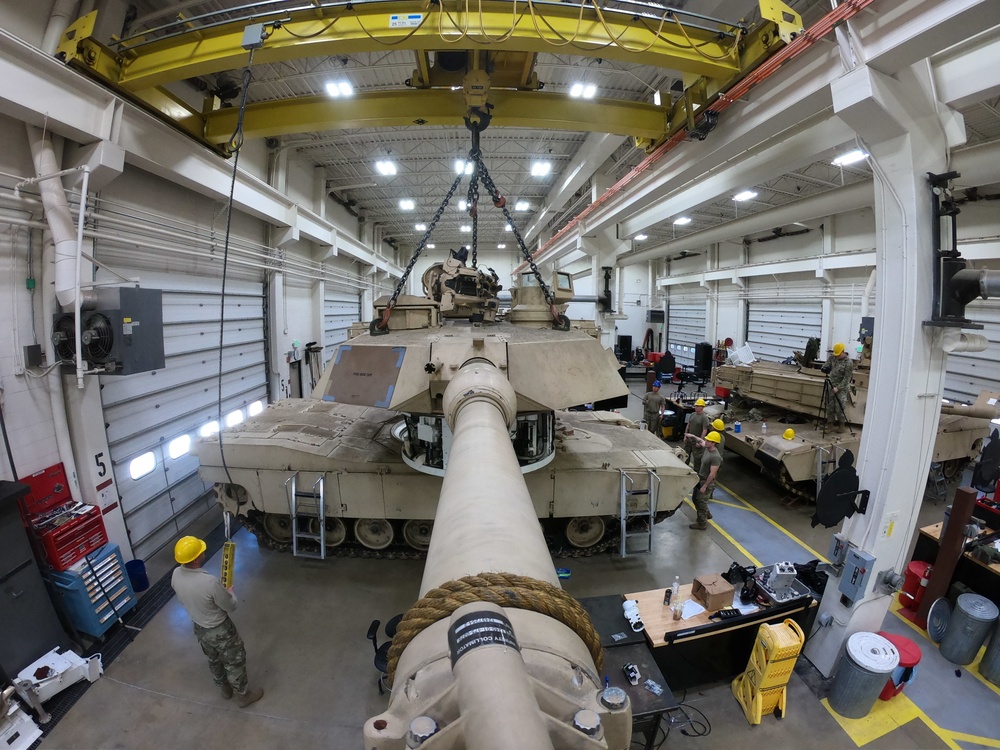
x,y
382,652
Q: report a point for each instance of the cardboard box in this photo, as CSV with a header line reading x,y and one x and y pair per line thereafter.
x,y
714,591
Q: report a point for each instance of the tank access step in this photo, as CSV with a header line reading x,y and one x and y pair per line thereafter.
x,y
311,508
638,503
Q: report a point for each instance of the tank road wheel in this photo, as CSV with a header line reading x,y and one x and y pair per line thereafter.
x,y
278,527
954,467
336,532
417,533
584,531
373,533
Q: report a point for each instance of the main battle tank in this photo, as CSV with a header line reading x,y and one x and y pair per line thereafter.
x,y
372,442
794,396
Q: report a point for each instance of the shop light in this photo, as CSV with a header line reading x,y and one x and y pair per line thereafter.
x,y
385,168
541,169
521,206
407,204
465,228
641,237
339,88
420,227
463,167
502,246
851,157
745,195
682,221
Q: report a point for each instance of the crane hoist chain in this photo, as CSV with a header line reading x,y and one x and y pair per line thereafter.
x,y
479,173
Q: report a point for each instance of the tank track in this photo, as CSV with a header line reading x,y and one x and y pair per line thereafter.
x,y
400,551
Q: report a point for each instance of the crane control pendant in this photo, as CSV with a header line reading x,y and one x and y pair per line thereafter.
x,y
228,562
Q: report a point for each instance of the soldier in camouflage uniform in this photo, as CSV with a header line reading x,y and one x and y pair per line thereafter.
x,y
708,472
838,381
209,604
697,427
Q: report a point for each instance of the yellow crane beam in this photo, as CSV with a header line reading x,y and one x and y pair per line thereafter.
x,y
384,109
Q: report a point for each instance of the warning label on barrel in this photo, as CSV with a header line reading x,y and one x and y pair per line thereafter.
x,y
480,629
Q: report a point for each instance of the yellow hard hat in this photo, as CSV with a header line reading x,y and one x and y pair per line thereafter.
x,y
838,349
788,434
719,425
188,548
713,437
700,402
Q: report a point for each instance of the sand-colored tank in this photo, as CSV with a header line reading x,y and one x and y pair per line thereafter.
x,y
373,435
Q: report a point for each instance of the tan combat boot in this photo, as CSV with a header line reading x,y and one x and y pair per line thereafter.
x,y
250,696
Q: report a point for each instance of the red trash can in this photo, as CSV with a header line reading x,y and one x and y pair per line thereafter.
x,y
909,657
918,573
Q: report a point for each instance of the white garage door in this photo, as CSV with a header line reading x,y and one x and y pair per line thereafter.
x,y
776,329
685,330
969,373
150,416
341,307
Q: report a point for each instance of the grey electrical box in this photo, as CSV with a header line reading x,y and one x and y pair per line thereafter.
x,y
838,549
121,334
857,570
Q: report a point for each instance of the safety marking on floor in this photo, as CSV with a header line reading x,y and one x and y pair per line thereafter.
x,y
884,717
753,560
782,529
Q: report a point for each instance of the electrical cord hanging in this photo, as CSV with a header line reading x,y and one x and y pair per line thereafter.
x,y
235,145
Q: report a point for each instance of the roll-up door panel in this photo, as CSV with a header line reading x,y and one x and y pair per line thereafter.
x,y
340,309
777,329
968,373
685,330
145,412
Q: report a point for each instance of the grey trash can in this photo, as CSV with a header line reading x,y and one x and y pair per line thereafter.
x,y
861,675
968,627
989,667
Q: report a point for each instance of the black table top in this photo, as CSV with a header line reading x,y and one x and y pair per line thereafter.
x,y
644,701
609,620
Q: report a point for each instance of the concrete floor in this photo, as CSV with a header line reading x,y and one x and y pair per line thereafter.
x,y
304,624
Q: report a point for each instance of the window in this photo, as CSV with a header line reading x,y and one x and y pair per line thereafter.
x,y
255,408
179,446
140,466
209,429
233,418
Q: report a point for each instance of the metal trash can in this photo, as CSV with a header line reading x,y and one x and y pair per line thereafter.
x,y
968,627
989,667
866,664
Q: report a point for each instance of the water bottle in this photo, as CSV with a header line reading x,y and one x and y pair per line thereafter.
x,y
737,427
642,425
675,589
763,427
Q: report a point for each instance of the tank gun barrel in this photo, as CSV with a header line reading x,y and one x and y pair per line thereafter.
x,y
976,411
491,669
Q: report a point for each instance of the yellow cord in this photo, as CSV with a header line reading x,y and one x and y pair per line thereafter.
x,y
442,12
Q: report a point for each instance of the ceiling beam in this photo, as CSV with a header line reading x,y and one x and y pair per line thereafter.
x,y
384,109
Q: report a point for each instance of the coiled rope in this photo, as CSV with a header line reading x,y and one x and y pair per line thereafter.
x,y
505,590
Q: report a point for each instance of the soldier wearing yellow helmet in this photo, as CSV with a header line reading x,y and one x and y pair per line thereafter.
x,y
208,605
841,370
708,471
698,427
720,427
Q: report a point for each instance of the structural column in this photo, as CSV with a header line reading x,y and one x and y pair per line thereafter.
x,y
897,124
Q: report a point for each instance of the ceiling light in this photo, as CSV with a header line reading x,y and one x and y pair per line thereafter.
x,y
508,228
463,167
502,246
541,168
465,228
386,168
641,237
682,220
339,88
589,90
420,227
851,157
745,195
656,98
407,204
576,90
462,205
521,206
431,246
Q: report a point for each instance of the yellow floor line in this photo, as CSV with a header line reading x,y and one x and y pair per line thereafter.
x,y
728,505
782,529
753,560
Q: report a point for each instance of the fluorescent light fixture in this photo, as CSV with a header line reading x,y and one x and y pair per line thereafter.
x,y
521,206
641,237
745,195
502,246
465,228
463,167
407,204
682,220
339,88
541,168
385,168
431,246
508,228
420,227
851,157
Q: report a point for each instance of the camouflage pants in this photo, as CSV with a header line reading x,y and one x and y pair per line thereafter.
x,y
653,423
701,501
227,658
835,407
696,452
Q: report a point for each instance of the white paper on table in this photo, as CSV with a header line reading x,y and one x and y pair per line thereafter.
x,y
691,608
744,609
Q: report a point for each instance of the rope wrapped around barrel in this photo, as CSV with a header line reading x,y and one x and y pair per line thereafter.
x,y
505,590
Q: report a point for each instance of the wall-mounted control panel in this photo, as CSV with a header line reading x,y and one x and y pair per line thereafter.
x,y
858,568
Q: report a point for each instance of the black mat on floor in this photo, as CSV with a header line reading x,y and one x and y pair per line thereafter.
x,y
117,638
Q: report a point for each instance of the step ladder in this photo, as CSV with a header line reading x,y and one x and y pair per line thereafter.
x,y
638,503
309,506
